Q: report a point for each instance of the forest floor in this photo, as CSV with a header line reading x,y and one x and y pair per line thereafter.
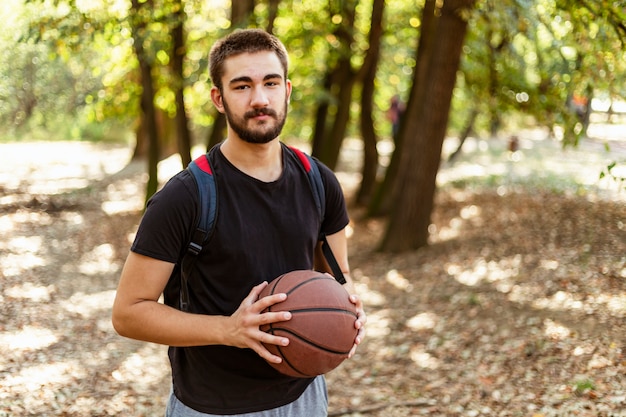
x,y
516,308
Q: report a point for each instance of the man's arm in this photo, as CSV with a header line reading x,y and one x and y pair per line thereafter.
x,y
339,245
137,314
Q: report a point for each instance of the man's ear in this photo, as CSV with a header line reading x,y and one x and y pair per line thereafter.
x,y
217,99
288,84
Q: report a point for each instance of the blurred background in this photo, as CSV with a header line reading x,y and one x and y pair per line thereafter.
x,y
481,145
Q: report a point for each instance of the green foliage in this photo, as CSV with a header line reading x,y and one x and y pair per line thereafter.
x,y
524,61
616,172
532,57
60,80
581,387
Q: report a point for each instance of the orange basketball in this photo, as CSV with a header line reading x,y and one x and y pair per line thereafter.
x,y
321,331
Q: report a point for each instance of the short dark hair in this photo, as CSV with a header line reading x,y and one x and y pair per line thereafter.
x,y
244,41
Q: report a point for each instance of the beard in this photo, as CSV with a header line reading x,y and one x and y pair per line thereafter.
x,y
263,132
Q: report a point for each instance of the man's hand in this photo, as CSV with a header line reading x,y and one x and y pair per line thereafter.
x,y
359,324
245,323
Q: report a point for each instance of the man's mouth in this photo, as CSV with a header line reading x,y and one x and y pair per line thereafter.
x,y
260,113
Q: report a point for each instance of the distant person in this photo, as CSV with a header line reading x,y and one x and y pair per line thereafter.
x,y
579,104
267,225
394,114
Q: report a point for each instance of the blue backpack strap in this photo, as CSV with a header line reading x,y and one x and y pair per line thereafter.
x,y
201,171
317,187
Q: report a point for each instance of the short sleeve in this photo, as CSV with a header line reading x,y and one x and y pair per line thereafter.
x,y
167,223
336,214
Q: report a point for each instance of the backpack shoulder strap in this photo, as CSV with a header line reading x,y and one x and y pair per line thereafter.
x,y
201,172
200,168
315,178
317,187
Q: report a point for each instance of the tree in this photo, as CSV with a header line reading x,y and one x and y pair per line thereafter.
x,y
329,131
381,202
368,71
178,17
522,57
139,16
424,130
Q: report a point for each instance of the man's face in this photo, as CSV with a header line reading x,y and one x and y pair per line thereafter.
x,y
255,96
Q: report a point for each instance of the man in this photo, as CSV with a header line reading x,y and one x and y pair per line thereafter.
x,y
267,224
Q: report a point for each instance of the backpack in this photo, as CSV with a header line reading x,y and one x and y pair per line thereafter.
x,y
201,172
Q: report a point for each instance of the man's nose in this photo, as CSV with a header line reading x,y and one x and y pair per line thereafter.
x,y
259,98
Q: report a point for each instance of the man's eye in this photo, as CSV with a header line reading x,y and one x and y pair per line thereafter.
x,y
241,87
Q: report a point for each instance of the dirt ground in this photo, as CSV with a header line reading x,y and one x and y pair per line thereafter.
x,y
517,308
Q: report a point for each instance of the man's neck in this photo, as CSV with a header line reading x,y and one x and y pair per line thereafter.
x,y
260,161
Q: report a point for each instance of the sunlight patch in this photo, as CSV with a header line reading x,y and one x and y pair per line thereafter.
x,y
470,211
424,359
6,223
99,261
31,217
29,291
144,368
397,280
368,296
584,349
33,377
123,197
14,264
23,244
561,300
422,321
452,231
88,304
28,338
72,217
555,330
378,324
492,271
550,265
615,303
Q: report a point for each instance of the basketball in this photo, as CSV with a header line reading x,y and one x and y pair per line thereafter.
x,y
321,331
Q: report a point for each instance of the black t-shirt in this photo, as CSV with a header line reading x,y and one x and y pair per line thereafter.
x,y
262,230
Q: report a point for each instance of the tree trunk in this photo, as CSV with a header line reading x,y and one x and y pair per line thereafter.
x,y
339,82
321,114
494,111
218,130
469,127
419,162
370,152
344,80
382,201
147,94
272,15
240,11
183,134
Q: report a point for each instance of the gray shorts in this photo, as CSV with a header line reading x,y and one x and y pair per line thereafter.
x,y
312,403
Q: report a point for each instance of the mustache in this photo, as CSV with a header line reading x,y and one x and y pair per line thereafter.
x,y
260,112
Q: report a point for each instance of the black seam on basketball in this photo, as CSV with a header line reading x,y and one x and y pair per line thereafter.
x,y
273,285
325,309
285,360
316,278
289,364
309,342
